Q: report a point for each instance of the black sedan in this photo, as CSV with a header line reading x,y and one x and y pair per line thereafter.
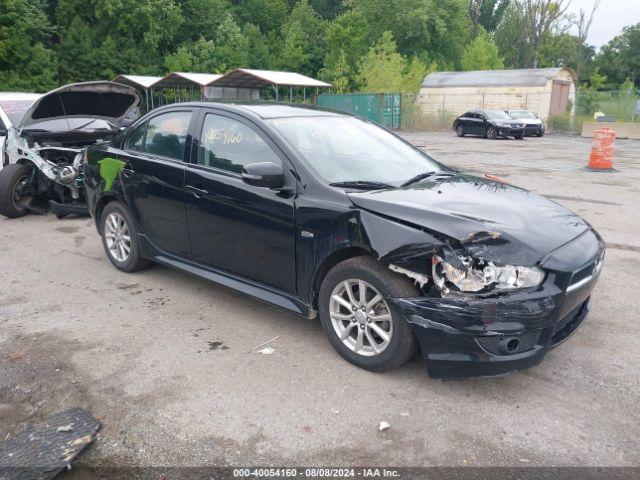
x,y
491,124
325,214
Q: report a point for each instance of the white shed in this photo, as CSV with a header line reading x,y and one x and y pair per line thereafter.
x,y
544,91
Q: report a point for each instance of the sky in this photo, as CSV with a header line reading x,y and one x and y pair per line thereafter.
x,y
611,17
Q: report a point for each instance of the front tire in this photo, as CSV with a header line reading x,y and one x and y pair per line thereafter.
x,y
364,328
120,238
492,133
14,183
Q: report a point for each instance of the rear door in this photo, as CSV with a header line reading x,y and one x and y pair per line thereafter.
x,y
154,163
235,227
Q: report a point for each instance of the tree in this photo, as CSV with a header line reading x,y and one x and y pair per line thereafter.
x,y
383,69
102,39
346,43
486,14
482,54
564,50
539,16
526,26
225,51
303,46
26,59
584,25
619,59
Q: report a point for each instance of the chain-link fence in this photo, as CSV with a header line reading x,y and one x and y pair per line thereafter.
x,y
437,111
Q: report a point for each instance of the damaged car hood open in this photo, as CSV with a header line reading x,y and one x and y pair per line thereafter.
x,y
104,100
481,215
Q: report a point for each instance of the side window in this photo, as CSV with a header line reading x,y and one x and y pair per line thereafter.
x,y
167,134
467,115
135,140
230,145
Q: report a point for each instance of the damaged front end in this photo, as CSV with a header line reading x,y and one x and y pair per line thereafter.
x,y
482,317
45,154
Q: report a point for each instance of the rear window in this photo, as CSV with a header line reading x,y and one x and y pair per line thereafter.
x,y
15,109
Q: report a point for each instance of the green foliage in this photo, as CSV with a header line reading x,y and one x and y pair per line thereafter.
x,y
620,58
482,54
374,45
383,69
491,13
26,61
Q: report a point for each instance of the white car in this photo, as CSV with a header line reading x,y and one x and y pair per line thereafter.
x,y
13,106
533,126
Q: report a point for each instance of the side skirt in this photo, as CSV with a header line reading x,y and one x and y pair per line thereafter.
x,y
256,290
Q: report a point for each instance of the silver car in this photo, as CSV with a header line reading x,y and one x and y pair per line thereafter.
x,y
533,126
13,106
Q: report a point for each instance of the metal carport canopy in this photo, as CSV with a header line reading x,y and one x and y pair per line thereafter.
x,y
141,81
186,79
247,78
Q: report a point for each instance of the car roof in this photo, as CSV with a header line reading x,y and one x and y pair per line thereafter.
x,y
266,110
18,96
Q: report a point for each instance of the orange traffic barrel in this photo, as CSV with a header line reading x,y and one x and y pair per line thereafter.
x,y
601,158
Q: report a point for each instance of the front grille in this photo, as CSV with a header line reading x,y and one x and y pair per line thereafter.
x,y
581,275
533,128
528,340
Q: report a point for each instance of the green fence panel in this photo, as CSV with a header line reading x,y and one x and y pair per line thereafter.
x,y
382,108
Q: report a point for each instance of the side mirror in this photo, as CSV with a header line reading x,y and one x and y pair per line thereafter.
x,y
264,174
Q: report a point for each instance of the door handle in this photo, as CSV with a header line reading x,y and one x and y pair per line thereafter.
x,y
196,192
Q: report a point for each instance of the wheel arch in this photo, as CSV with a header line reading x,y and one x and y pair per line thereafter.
x,y
333,259
101,205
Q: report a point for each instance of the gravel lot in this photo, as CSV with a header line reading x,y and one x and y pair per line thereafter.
x,y
167,361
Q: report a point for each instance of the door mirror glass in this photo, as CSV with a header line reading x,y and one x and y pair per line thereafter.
x,y
264,174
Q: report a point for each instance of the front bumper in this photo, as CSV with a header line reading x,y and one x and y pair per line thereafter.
x,y
533,130
474,337
510,132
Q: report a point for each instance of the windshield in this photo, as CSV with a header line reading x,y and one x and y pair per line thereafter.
x,y
497,115
15,109
347,149
521,114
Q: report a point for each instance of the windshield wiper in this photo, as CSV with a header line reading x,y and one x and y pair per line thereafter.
x,y
422,176
362,185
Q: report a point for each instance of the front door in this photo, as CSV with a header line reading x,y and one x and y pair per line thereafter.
x,y
153,170
235,227
559,97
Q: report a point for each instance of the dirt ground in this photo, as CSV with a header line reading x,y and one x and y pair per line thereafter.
x,y
168,363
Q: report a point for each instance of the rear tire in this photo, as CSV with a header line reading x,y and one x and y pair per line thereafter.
x,y
14,178
460,131
120,238
380,323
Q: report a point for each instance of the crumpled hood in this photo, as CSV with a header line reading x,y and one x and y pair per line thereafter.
x,y
500,222
104,100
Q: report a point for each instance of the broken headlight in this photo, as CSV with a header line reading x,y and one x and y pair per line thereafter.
x,y
473,276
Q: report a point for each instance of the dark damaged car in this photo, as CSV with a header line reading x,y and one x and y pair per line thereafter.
x,y
43,155
326,214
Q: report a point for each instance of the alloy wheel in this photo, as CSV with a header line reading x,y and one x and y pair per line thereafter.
x,y
361,317
117,236
492,133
